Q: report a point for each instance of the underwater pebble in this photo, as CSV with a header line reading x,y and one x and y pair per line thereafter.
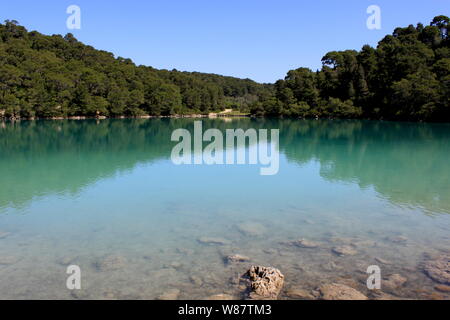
x,y
303,243
397,239
196,281
393,281
213,241
8,260
338,291
344,251
439,269
237,258
299,294
442,288
65,261
4,234
221,296
382,261
111,263
251,229
172,294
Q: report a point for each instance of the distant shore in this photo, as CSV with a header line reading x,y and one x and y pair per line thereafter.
x,y
210,116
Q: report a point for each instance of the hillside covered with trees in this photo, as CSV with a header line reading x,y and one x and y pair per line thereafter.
x,y
55,76
407,77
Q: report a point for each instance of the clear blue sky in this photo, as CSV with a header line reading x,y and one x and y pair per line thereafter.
x,y
255,39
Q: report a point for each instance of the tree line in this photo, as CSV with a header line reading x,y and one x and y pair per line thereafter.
x,y
406,77
55,76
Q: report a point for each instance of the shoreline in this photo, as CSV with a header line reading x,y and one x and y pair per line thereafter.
x,y
191,116
220,115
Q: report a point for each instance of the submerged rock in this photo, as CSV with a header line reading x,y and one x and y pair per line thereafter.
x,y
7,260
270,251
251,229
382,261
338,291
110,295
174,265
221,296
393,281
235,258
65,261
81,294
119,295
397,239
378,295
265,283
184,251
344,250
197,281
330,266
172,294
303,243
344,240
439,269
365,243
4,234
299,294
442,288
111,263
213,241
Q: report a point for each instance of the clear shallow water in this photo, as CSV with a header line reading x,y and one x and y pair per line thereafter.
x,y
78,192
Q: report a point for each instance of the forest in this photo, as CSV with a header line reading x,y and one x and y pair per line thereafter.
x,y
53,76
406,77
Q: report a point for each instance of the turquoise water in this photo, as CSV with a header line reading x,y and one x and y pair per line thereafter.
x,y
78,192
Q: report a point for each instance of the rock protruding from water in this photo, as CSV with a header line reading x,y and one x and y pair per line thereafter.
x,y
338,291
265,283
439,269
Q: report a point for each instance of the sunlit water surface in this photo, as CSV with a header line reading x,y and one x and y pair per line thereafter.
x,y
91,192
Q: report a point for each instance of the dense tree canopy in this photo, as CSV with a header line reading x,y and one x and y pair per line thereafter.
x,y
407,77
55,76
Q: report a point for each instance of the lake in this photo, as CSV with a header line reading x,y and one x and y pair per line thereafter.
x,y
105,196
